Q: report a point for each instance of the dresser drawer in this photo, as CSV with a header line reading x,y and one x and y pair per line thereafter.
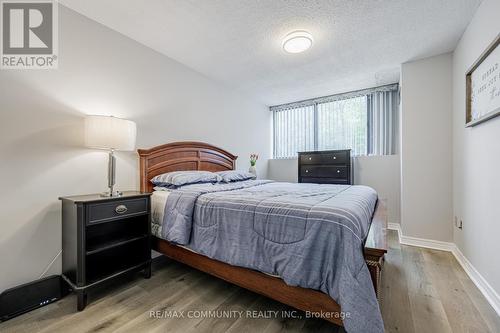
x,y
340,157
337,172
102,212
324,180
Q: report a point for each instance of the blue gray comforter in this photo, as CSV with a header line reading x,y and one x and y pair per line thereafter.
x,y
310,235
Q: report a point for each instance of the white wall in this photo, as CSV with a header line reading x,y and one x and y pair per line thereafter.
x,y
283,170
383,174
426,157
380,172
100,72
476,156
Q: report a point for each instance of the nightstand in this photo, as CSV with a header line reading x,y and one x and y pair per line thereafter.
x,y
103,238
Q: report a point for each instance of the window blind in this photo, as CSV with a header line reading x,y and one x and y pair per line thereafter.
x,y
383,121
364,121
342,125
293,131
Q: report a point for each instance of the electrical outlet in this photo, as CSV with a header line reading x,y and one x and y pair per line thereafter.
x,y
458,223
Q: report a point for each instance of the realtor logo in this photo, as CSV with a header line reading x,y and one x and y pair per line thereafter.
x,y
29,34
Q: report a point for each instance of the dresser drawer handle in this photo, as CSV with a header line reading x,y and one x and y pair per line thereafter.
x,y
310,158
307,171
121,209
334,157
338,171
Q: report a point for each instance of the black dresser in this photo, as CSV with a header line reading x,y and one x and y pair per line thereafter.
x,y
104,238
325,167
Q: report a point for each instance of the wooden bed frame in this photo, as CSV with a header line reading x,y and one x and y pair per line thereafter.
x,y
179,156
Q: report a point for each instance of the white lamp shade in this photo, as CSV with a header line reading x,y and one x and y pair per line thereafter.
x,y
106,132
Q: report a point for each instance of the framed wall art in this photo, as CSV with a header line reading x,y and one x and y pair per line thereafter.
x,y
483,86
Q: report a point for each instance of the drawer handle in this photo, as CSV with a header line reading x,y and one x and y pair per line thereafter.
x,y
338,171
310,158
334,157
307,171
121,209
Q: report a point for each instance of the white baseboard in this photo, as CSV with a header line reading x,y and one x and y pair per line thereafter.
x,y
393,226
486,289
420,242
397,227
427,243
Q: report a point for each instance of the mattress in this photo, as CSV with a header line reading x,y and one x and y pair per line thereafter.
x,y
158,202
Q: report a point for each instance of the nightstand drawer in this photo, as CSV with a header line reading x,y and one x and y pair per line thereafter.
x,y
103,212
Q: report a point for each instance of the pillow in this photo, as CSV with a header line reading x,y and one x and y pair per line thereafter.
x,y
235,175
180,178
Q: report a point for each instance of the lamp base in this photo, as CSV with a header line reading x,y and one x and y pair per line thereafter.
x,y
111,194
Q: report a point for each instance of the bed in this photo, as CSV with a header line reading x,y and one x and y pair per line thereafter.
x,y
181,156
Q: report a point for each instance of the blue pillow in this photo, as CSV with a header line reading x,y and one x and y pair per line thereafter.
x,y
180,178
235,175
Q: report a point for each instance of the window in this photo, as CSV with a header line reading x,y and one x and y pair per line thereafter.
x,y
365,122
342,125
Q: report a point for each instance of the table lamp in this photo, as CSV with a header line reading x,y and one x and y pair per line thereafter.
x,y
105,132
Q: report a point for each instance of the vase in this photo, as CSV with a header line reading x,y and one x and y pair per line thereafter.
x,y
253,171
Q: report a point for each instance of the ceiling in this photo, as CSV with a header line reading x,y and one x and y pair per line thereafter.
x,y
357,44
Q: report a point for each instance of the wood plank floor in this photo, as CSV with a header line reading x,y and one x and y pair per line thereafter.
x,y
422,291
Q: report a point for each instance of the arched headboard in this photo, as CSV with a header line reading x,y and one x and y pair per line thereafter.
x,y
182,156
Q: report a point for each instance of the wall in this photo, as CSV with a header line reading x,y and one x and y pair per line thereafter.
x,y
476,156
41,134
379,172
283,170
426,157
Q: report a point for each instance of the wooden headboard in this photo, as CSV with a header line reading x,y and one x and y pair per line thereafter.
x,y
182,156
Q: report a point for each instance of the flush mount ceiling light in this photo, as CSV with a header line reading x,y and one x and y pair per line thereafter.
x,y
297,41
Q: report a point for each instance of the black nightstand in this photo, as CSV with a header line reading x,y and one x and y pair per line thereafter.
x,y
103,238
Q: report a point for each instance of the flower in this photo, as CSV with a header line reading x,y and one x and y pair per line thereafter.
x,y
253,159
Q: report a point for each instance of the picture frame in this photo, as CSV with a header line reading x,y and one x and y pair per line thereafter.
x,y
483,86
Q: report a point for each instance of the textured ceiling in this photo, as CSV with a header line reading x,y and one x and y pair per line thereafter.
x,y
357,43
